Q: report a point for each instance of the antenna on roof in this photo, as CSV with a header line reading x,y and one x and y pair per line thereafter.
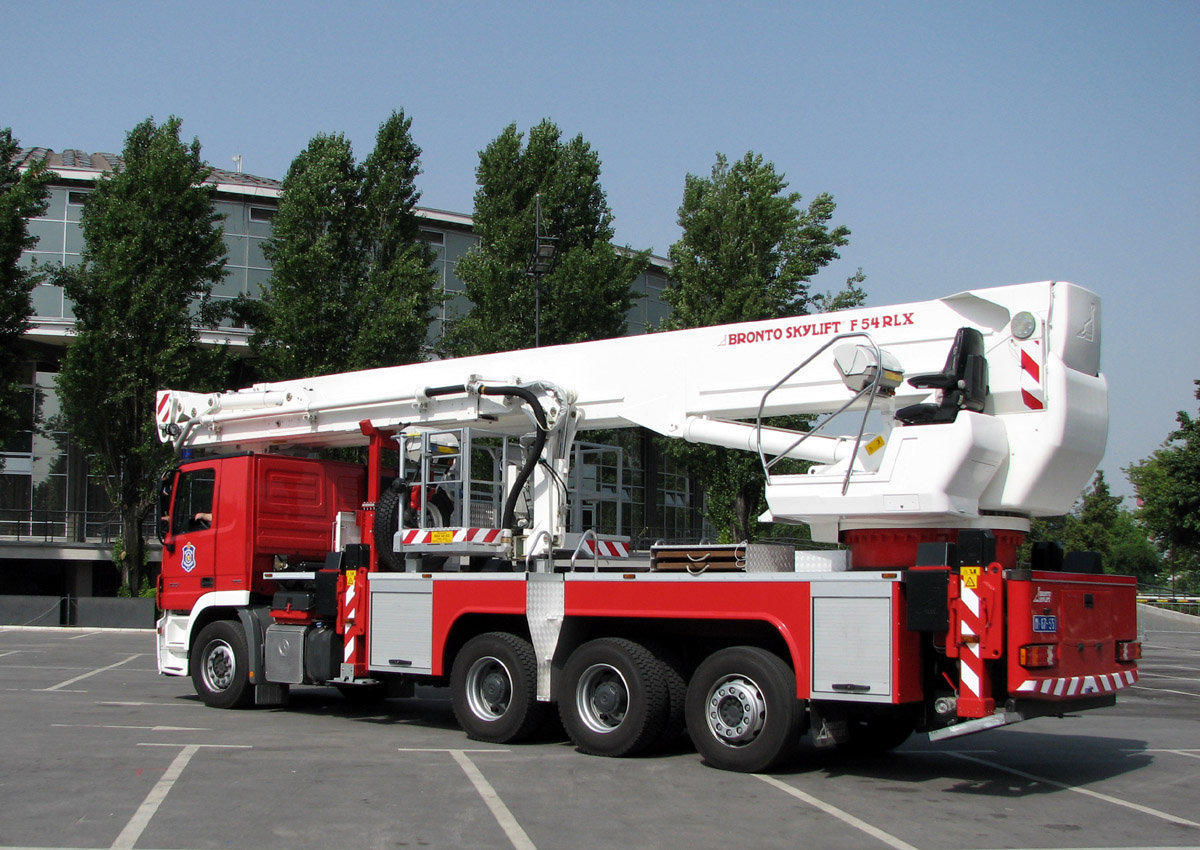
x,y
237,159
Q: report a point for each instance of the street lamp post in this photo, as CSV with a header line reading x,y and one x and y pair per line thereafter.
x,y
544,250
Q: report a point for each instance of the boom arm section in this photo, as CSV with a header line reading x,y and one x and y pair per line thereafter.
x,y
1028,448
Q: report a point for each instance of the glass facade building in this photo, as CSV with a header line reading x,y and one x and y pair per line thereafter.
x,y
57,527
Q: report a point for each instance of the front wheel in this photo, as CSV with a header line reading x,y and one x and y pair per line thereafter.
x,y
493,688
742,712
220,666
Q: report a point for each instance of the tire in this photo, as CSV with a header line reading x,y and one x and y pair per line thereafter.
x,y
615,700
220,665
742,711
387,522
493,688
674,673
875,734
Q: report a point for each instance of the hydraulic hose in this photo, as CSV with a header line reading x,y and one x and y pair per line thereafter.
x,y
539,415
539,442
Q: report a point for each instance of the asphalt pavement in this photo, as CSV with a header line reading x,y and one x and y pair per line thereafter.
x,y
101,752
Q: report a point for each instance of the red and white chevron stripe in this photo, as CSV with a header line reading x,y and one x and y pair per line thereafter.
x,y
351,609
451,535
607,548
1031,377
1075,686
970,665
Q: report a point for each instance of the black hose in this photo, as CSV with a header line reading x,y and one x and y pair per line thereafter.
x,y
539,442
509,518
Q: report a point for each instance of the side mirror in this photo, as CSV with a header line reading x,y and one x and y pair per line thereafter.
x,y
166,489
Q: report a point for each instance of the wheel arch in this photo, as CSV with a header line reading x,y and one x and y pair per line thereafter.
x,y
693,638
469,625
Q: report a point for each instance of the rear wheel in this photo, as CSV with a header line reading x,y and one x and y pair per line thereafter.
x,y
615,699
220,666
742,711
493,688
675,675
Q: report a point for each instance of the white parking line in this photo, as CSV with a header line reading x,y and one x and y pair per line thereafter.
x,y
1163,691
516,835
90,673
1187,751
500,812
115,726
844,816
1117,801
141,818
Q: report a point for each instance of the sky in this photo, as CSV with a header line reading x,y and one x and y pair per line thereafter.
x,y
966,144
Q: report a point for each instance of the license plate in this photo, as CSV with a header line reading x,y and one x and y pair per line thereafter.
x,y
1045,623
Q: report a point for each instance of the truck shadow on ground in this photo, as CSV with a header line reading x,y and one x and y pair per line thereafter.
x,y
1021,764
1009,763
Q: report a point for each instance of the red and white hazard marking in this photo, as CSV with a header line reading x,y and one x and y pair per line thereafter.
x,y
451,535
970,673
351,615
1075,686
607,548
1031,377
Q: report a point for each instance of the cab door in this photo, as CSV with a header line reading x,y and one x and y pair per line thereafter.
x,y
189,545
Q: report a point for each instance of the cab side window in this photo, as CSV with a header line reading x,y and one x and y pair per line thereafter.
x,y
194,501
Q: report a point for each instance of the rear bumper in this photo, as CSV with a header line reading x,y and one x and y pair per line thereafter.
x,y
1068,687
1015,711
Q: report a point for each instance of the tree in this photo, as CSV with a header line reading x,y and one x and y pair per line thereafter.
x,y
153,248
587,293
393,309
1099,524
352,285
748,252
23,195
1168,488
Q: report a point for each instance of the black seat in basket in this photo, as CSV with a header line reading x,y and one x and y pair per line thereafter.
x,y
963,382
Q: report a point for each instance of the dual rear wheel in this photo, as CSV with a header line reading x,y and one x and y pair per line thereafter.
x,y
621,697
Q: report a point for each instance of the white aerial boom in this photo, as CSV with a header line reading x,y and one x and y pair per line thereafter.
x,y
1008,419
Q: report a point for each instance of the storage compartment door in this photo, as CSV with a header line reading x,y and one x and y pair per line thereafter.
x,y
852,645
401,627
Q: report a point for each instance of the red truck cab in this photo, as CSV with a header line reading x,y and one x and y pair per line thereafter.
x,y
228,520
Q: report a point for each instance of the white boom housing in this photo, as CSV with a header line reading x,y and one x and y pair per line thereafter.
x,y
1028,450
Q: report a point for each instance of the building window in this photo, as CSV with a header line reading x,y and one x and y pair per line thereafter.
x,y
262,213
77,198
433,237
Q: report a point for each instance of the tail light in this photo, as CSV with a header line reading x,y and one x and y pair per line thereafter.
x,y
1038,655
1129,650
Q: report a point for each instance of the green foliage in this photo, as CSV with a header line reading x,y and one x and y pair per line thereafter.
x,y
748,249
352,284
153,249
747,253
587,294
1168,488
23,195
1099,524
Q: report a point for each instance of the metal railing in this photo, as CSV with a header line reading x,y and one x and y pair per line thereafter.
x,y
47,526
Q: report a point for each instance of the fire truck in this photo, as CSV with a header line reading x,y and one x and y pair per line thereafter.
x,y
460,548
